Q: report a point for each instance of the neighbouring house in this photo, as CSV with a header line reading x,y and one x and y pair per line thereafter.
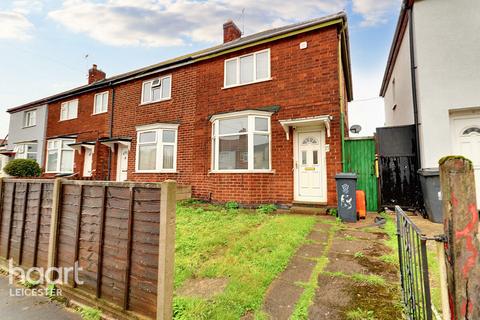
x,y
432,79
26,133
257,119
76,120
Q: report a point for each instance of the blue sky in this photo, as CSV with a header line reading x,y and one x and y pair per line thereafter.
x,y
47,46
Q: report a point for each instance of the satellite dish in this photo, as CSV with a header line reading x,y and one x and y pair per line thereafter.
x,y
355,128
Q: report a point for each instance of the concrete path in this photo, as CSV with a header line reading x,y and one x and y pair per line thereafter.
x,y
345,267
28,307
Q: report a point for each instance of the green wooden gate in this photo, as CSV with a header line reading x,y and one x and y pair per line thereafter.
x,y
360,158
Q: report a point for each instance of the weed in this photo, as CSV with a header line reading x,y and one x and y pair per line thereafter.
x,y
333,212
371,279
89,313
349,237
29,284
231,205
360,314
359,255
189,202
266,208
390,258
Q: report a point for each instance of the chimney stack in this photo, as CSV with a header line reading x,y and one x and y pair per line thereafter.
x,y
95,74
230,31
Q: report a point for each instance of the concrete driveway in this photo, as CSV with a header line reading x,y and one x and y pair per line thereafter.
x,y
28,307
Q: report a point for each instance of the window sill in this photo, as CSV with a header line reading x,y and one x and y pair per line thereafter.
x,y
246,84
153,102
155,171
241,171
26,127
63,120
95,114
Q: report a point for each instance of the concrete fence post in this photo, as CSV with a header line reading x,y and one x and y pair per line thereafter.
x,y
1,200
166,250
56,204
462,249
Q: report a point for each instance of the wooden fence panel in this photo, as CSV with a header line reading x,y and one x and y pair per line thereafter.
x,y
117,232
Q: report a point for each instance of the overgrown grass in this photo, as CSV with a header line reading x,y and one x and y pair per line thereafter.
x,y
89,313
361,314
247,248
372,279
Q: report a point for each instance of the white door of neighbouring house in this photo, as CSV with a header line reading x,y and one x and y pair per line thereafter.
x,y
310,166
87,162
466,142
122,163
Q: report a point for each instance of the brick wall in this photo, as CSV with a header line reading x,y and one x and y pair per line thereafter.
x,y
305,83
87,127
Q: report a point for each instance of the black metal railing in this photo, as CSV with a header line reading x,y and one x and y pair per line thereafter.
x,y
412,254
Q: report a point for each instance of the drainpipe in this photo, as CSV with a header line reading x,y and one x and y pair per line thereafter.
x,y
413,73
110,133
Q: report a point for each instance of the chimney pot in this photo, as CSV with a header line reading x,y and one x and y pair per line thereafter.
x,y
230,31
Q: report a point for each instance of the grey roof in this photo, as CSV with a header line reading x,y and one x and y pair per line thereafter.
x,y
188,58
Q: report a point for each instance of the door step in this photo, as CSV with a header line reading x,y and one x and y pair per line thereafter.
x,y
310,210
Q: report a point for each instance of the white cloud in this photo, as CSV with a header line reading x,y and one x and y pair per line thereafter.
x,y
375,12
158,23
27,6
15,26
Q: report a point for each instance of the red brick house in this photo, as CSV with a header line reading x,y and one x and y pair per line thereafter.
x,y
258,119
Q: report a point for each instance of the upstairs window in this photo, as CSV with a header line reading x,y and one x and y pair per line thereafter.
x,y
69,110
157,89
250,68
241,142
30,118
60,156
101,103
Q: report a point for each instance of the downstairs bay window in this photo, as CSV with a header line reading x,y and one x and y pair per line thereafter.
x,y
241,142
60,156
156,148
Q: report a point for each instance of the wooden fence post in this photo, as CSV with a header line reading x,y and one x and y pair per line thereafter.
x,y
166,250
462,248
52,241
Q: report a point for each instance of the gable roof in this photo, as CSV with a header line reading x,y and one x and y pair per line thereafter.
x,y
339,18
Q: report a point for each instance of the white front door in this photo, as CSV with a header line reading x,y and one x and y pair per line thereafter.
x,y
466,142
87,162
122,163
310,166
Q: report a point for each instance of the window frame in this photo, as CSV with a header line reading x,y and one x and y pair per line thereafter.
x,y
158,129
59,150
251,132
25,117
24,153
255,80
95,102
142,102
67,103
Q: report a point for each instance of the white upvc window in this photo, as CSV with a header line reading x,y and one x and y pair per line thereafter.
x,y
156,148
26,150
249,68
60,156
101,103
29,118
241,142
157,89
69,110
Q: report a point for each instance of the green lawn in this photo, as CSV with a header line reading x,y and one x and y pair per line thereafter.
x,y
249,249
